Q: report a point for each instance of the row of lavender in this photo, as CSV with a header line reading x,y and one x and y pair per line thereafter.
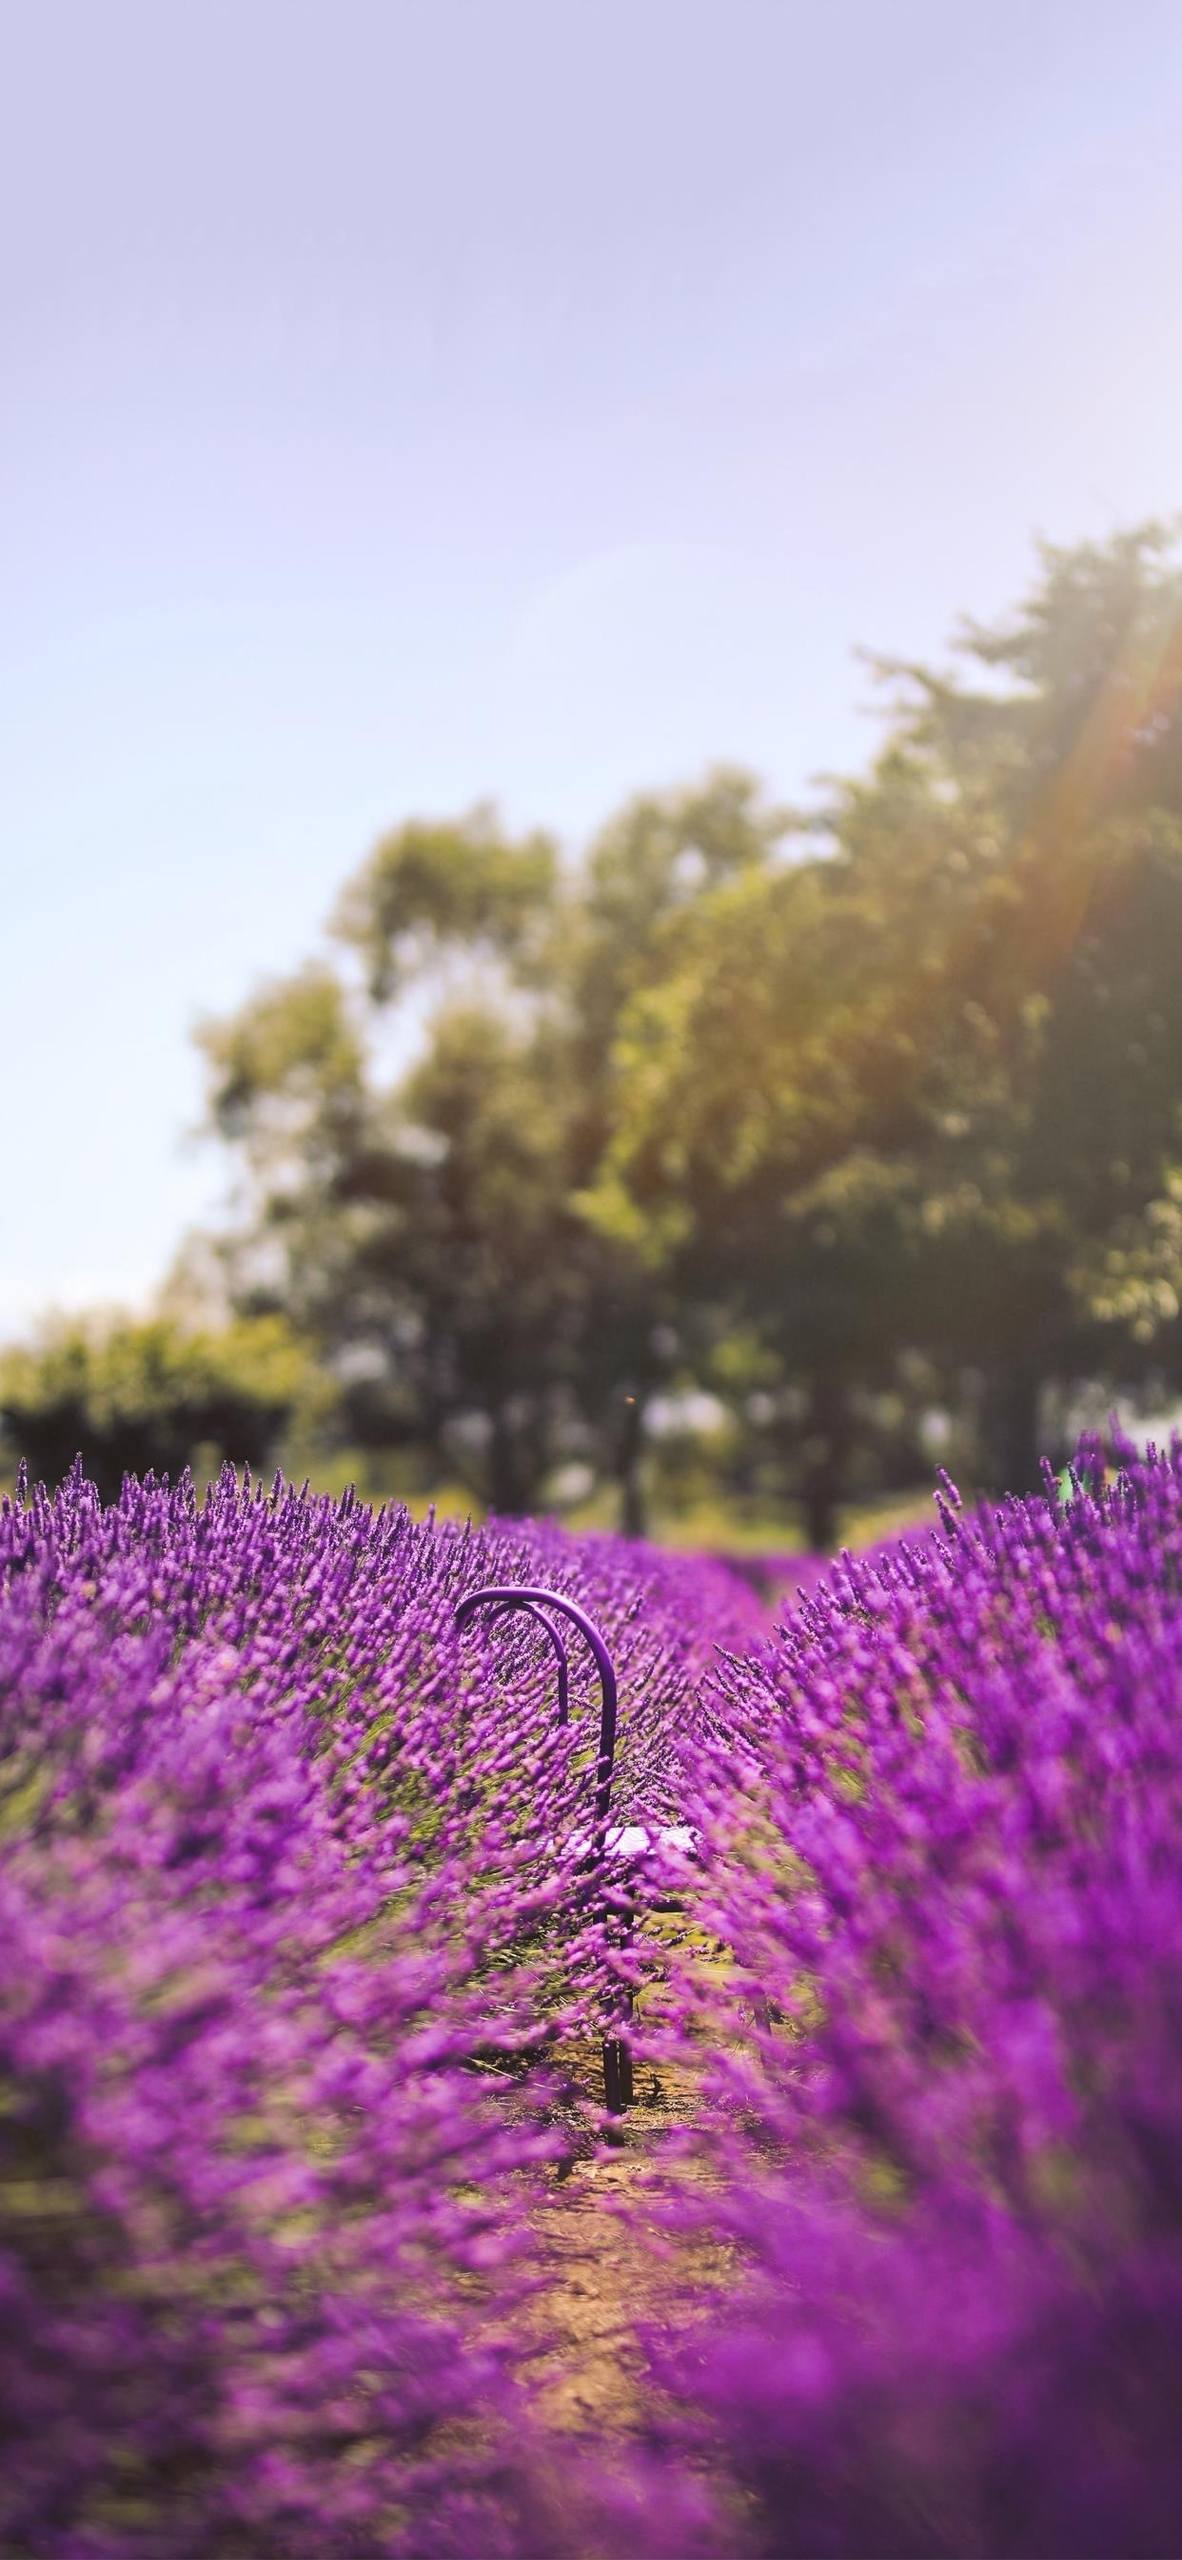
x,y
282,1895
287,1905
947,1857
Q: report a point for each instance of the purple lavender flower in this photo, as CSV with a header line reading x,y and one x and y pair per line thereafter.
x,y
281,1905
945,1842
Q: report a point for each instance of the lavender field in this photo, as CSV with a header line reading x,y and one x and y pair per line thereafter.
x,y
312,1940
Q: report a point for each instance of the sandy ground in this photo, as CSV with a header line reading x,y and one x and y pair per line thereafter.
x,y
606,2267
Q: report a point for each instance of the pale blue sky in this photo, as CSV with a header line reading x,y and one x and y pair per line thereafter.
x,y
406,403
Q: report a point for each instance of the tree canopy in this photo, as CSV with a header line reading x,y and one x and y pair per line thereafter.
x,y
888,1089
129,1397
943,1056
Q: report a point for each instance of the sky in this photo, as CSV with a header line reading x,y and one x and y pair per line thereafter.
x,y
404,405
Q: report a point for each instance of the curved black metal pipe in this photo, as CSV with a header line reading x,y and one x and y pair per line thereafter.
x,y
531,1609
539,1604
536,1604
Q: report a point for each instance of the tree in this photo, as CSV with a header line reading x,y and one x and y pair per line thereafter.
x,y
131,1396
426,1227
891,1088
957,1014
457,885
461,1272
1069,753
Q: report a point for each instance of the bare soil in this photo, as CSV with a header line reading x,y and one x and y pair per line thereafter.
x,y
608,2268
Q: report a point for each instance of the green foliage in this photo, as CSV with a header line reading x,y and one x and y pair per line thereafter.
x,y
924,1091
888,1094
1135,1281
464,884
426,1229
648,875
132,1396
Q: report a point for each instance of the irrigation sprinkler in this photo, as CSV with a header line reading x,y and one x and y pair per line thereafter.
x,y
543,1607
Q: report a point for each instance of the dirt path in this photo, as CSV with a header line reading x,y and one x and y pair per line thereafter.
x,y
607,2267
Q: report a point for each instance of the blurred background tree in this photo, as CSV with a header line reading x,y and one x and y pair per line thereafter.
x,y
423,1225
923,1094
129,1397
760,1149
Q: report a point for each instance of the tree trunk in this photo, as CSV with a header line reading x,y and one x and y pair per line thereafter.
x,y
823,1478
512,1479
821,1511
1011,1428
629,1454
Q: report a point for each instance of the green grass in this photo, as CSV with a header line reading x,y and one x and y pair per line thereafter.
x,y
710,1525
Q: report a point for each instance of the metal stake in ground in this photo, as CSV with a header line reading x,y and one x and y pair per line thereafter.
x,y
542,1606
